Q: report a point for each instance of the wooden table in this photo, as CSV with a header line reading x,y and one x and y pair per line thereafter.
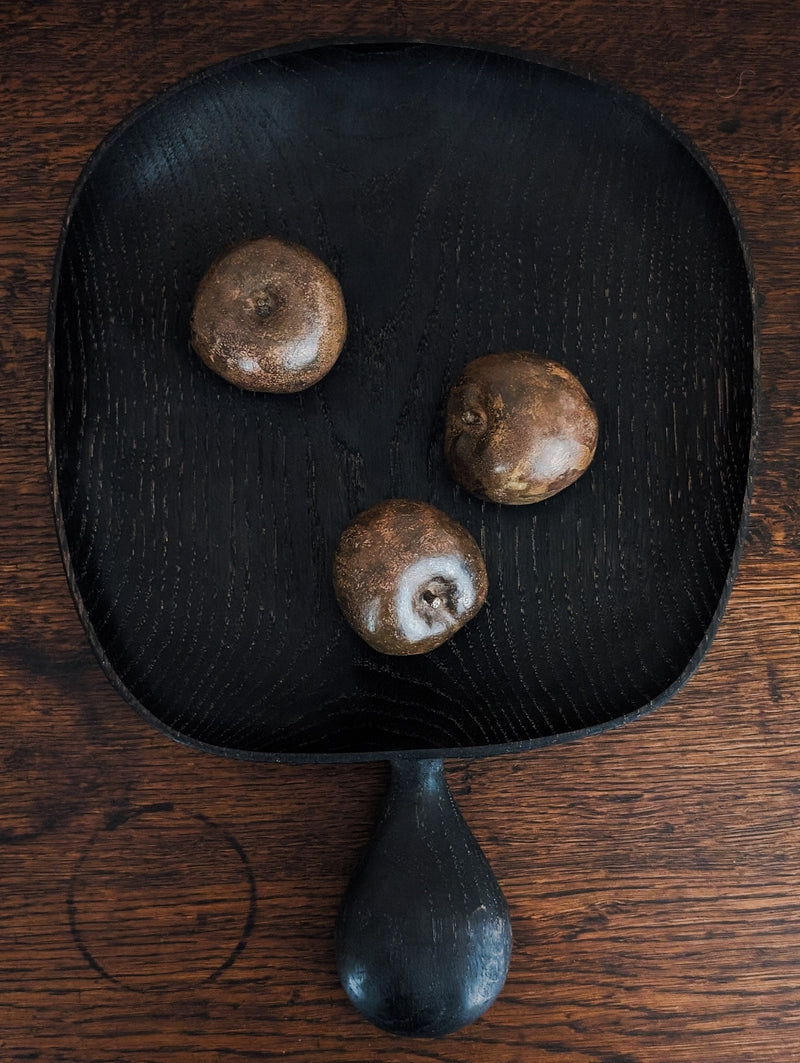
x,y
159,905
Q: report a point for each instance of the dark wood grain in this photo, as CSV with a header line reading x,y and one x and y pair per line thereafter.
x,y
199,521
423,937
651,872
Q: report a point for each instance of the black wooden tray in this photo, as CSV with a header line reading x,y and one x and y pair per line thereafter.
x,y
469,201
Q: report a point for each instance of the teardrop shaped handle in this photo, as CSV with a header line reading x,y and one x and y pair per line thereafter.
x,y
423,938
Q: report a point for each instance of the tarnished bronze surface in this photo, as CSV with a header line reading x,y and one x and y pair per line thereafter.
x,y
269,316
407,576
519,428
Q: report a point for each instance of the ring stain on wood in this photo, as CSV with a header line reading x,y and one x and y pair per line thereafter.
x,y
161,880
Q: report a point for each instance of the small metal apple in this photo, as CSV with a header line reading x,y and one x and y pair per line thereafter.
x,y
519,428
268,315
407,576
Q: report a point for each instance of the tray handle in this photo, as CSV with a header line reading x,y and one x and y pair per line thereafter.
x,y
423,937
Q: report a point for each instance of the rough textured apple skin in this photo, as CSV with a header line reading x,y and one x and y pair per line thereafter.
x,y
407,576
519,428
269,316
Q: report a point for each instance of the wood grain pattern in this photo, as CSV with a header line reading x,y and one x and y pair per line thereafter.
x,y
651,872
193,875
199,521
423,936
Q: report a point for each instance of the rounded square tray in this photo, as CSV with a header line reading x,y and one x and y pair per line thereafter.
x,y
468,201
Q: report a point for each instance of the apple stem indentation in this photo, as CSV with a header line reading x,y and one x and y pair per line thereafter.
x,y
473,418
432,598
265,305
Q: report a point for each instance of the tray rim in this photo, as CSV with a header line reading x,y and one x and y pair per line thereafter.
x,y
456,752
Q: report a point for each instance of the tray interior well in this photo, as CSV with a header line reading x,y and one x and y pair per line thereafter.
x,y
468,201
